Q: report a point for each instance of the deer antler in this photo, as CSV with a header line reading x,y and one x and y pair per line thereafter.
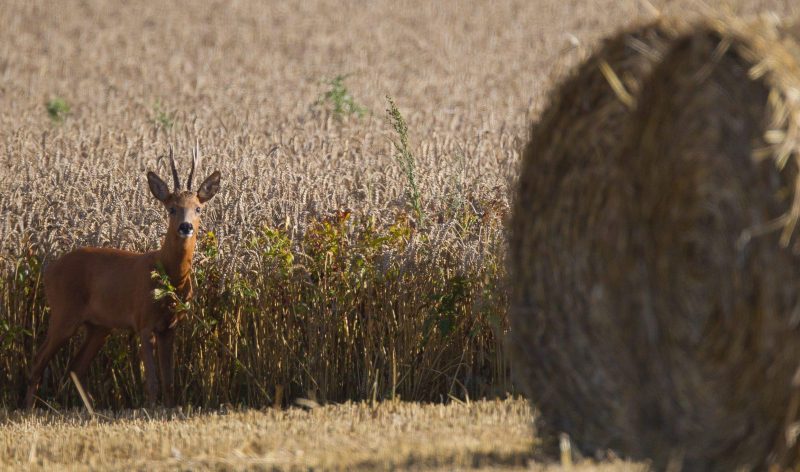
x,y
175,179
195,159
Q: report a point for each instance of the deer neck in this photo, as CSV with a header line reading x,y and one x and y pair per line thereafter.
x,y
176,257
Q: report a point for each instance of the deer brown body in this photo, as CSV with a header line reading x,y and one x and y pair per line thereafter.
x,y
102,289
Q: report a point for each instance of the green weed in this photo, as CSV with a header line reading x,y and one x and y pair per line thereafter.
x,y
405,158
57,109
162,117
339,98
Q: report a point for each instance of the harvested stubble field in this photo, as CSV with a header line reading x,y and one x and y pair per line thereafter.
x,y
347,436
352,436
331,268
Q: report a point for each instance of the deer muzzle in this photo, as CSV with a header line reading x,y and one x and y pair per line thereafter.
x,y
185,230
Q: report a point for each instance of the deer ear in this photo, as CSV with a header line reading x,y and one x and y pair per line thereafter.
x,y
158,187
209,187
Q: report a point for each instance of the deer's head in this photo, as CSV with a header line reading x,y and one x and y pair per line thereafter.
x,y
183,206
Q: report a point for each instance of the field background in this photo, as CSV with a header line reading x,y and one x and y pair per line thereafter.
x,y
322,279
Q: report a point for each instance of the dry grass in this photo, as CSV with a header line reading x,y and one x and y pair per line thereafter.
x,y
485,435
348,436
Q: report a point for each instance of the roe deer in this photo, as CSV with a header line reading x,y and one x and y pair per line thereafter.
x,y
104,288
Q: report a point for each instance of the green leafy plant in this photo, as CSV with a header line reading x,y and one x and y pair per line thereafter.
x,y
10,333
165,290
163,117
58,109
339,98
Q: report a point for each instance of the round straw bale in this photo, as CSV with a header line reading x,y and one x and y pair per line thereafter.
x,y
655,308
569,187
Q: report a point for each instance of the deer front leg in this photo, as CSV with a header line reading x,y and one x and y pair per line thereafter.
x,y
148,359
166,364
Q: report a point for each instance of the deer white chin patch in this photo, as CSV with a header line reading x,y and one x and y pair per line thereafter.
x,y
185,235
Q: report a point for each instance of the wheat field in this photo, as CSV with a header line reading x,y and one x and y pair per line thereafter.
x,y
335,264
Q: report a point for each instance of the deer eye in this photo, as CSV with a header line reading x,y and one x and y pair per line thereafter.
x,y
172,210
198,209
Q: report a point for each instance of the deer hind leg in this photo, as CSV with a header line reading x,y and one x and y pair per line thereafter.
x,y
58,334
164,344
148,359
95,339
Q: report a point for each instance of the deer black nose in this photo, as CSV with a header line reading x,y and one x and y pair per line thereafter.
x,y
185,229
